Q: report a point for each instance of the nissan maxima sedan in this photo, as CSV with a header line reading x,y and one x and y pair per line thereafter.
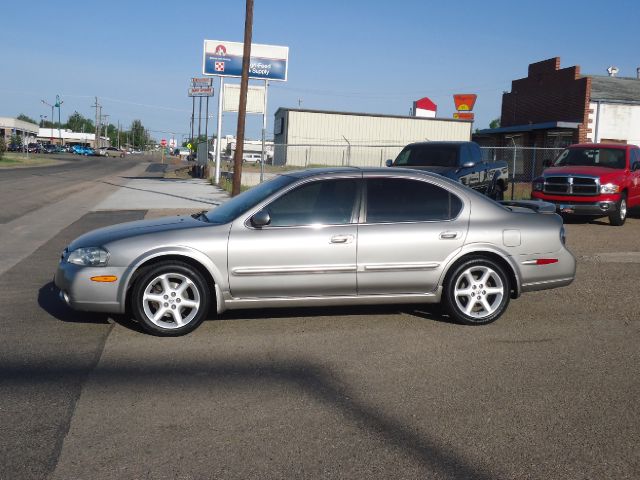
x,y
319,237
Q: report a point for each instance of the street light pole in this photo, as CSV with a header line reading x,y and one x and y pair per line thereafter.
x,y
58,104
48,104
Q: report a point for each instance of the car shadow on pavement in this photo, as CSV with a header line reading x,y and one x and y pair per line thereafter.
x,y
51,303
432,312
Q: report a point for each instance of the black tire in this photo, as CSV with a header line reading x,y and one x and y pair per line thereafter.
x,y
468,274
163,281
618,218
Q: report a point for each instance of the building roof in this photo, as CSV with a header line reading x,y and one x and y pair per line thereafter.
x,y
382,115
530,127
615,89
66,134
14,123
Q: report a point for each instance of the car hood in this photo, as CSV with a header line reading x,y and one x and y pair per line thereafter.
x,y
102,236
581,170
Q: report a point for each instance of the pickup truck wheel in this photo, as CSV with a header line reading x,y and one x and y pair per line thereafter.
x,y
170,299
618,218
477,292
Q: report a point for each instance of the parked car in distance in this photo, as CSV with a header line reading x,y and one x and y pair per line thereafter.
x,y
341,236
34,148
459,161
592,179
251,158
111,152
14,147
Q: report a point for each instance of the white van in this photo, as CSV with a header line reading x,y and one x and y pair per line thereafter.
x,y
251,158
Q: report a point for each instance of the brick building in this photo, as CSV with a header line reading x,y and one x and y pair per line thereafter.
x,y
554,107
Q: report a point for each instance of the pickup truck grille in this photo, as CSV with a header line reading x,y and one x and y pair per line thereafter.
x,y
572,185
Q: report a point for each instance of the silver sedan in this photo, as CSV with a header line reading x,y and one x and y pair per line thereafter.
x,y
339,236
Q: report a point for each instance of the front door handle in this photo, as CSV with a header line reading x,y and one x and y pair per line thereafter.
x,y
342,239
448,235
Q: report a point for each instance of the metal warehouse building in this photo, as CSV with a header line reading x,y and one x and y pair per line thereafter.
x,y
315,137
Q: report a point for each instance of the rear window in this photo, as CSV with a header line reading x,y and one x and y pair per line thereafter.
x,y
428,155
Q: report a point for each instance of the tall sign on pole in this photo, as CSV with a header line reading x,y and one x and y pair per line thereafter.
x,y
226,59
464,103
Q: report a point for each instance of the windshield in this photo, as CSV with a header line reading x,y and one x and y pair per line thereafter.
x,y
592,157
428,155
236,206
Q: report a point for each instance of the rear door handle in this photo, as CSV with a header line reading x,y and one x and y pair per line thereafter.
x,y
342,239
448,235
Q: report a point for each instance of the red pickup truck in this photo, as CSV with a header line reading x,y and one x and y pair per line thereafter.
x,y
592,179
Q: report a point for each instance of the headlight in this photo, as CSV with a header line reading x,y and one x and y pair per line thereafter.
x,y
609,188
90,256
538,185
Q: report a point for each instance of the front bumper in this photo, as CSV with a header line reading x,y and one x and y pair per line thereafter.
x,y
598,208
81,293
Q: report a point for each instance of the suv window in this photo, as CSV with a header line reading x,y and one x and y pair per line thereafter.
x,y
325,202
406,200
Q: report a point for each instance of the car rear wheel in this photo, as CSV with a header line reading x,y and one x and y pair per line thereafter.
x,y
170,299
618,218
477,291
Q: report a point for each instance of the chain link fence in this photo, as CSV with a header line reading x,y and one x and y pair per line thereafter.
x,y
525,163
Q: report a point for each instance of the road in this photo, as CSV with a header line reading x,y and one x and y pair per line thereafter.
x,y
26,189
548,391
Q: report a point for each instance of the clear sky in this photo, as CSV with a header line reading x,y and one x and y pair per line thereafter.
x,y
346,55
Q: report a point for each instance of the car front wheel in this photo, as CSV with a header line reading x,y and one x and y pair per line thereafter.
x,y
618,218
477,292
170,299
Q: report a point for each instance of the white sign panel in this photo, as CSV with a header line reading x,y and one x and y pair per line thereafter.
x,y
231,98
267,62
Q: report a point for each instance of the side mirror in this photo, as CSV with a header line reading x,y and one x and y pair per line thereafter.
x,y
389,163
468,164
261,218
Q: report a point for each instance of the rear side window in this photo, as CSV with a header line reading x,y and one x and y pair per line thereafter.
x,y
406,200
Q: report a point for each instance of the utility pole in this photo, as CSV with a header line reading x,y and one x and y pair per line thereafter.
x,y
242,109
106,127
98,108
118,134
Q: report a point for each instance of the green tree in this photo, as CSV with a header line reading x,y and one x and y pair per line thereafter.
x,y
78,123
495,123
16,140
25,118
3,147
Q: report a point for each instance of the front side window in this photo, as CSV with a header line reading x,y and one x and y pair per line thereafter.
x,y
321,202
406,200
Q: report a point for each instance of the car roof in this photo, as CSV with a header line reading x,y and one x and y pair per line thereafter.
x,y
442,143
621,146
386,171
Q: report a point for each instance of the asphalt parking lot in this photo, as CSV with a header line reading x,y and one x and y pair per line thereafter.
x,y
548,391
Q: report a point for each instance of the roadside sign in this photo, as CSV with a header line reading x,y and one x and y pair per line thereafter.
x,y
163,142
200,92
463,116
201,82
267,62
189,146
464,101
